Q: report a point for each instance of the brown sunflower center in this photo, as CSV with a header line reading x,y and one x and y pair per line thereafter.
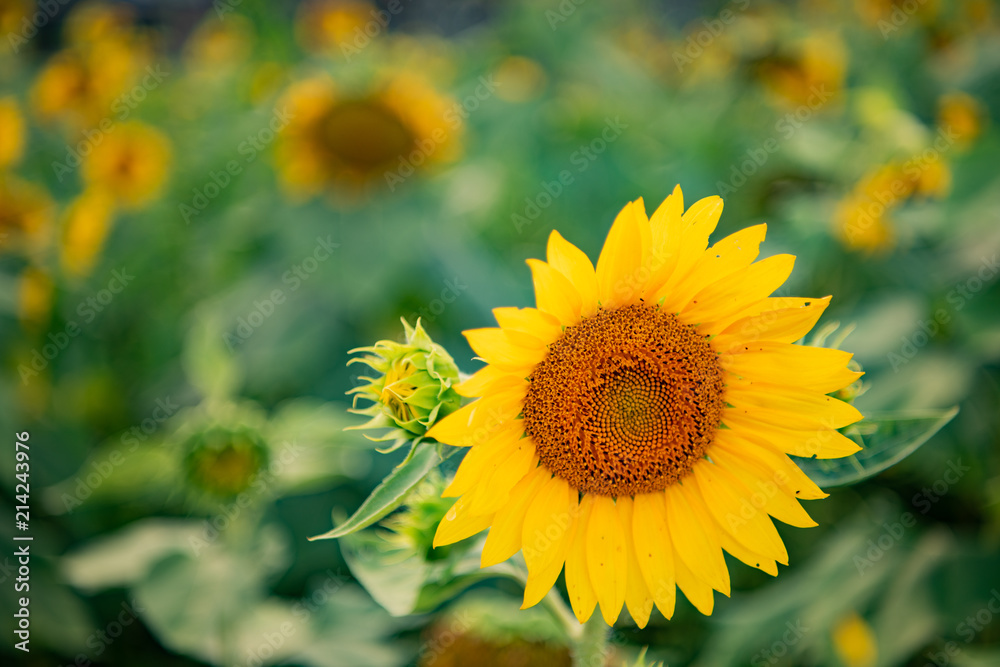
x,y
366,136
625,402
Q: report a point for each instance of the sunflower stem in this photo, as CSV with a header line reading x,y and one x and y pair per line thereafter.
x,y
590,648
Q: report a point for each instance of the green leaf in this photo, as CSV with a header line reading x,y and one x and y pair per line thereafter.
x,y
388,495
887,439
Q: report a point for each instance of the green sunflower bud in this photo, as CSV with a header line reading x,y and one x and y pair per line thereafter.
x,y
223,462
414,387
414,526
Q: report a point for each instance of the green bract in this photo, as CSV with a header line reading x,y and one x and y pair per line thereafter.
x,y
413,389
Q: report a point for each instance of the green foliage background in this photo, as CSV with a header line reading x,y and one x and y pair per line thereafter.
x,y
912,549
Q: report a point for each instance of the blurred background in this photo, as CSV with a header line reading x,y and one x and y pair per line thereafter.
x,y
205,205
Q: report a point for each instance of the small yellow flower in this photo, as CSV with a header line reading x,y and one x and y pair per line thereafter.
x,y
12,132
216,46
25,213
385,133
962,115
336,26
519,79
861,224
35,297
131,163
875,13
13,14
81,87
87,223
854,641
812,73
932,177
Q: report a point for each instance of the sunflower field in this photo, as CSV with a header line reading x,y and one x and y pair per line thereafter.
x,y
432,333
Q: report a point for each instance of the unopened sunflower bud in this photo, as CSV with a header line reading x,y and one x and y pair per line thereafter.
x,y
224,462
414,386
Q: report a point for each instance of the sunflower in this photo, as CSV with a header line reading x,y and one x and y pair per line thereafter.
x,y
86,224
12,132
131,163
354,139
638,421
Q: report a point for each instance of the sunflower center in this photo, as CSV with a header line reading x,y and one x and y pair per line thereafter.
x,y
625,402
366,136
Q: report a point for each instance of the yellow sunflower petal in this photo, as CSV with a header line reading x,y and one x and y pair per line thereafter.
x,y
479,460
480,420
790,408
497,480
484,380
816,368
581,593
638,600
573,263
784,325
607,561
530,322
693,536
727,296
504,539
695,590
731,254
666,227
545,537
654,550
821,443
459,523
766,493
554,293
697,224
768,464
744,555
497,349
728,502
620,266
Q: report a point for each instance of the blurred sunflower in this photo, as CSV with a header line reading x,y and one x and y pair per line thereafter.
x,y
131,163
352,140
812,74
217,46
104,53
334,25
34,302
962,115
85,227
25,213
638,422
12,132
